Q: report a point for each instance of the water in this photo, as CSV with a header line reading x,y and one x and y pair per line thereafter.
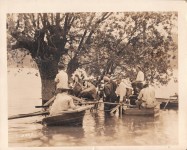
x,y
97,129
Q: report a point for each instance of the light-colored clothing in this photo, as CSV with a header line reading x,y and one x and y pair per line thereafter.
x,y
140,76
127,83
61,103
147,95
121,91
61,79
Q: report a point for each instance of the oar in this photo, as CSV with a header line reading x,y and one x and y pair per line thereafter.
x,y
166,104
38,113
53,98
47,103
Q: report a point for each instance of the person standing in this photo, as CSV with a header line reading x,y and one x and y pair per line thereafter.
x,y
121,90
138,83
140,74
109,92
61,78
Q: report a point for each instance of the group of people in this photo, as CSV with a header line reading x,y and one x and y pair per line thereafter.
x,y
118,90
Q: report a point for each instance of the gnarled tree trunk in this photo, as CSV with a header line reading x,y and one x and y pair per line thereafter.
x,y
48,71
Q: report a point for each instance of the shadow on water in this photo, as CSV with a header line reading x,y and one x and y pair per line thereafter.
x,y
61,135
71,131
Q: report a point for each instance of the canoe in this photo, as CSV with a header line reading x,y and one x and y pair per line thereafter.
x,y
67,118
142,112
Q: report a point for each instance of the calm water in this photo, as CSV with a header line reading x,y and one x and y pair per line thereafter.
x,y
97,130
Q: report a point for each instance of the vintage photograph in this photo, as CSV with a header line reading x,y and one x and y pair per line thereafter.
x,y
92,79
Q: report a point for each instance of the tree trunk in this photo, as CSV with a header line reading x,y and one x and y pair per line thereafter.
x,y
48,70
72,66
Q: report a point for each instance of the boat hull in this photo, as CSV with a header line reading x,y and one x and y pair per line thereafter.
x,y
170,105
65,119
142,112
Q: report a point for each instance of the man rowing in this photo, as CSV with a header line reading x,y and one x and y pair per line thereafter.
x,y
62,102
146,97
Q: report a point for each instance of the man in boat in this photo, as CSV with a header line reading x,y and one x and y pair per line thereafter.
x,y
146,97
77,85
109,92
62,102
89,92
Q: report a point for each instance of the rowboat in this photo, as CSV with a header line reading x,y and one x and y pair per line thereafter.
x,y
67,118
142,112
170,103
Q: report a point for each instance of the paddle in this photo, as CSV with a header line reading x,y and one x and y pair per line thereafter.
x,y
38,113
53,98
166,104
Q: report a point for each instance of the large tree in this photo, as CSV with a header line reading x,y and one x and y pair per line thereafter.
x,y
100,42
47,37
128,39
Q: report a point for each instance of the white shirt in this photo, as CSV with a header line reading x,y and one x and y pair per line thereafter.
x,y
148,95
61,103
140,76
61,79
121,91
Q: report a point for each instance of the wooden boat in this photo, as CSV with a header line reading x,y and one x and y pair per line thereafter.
x,y
67,118
168,103
142,112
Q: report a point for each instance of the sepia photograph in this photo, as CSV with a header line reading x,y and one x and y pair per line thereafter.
x,y
86,79
94,78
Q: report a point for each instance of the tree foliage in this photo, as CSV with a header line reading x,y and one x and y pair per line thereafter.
x,y
102,43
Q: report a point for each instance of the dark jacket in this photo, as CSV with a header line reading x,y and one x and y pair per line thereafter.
x,y
109,90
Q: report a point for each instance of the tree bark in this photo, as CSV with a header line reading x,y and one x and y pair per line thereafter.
x,y
72,66
48,71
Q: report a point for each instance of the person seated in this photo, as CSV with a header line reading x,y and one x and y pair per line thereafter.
x,y
89,92
77,86
62,102
146,97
